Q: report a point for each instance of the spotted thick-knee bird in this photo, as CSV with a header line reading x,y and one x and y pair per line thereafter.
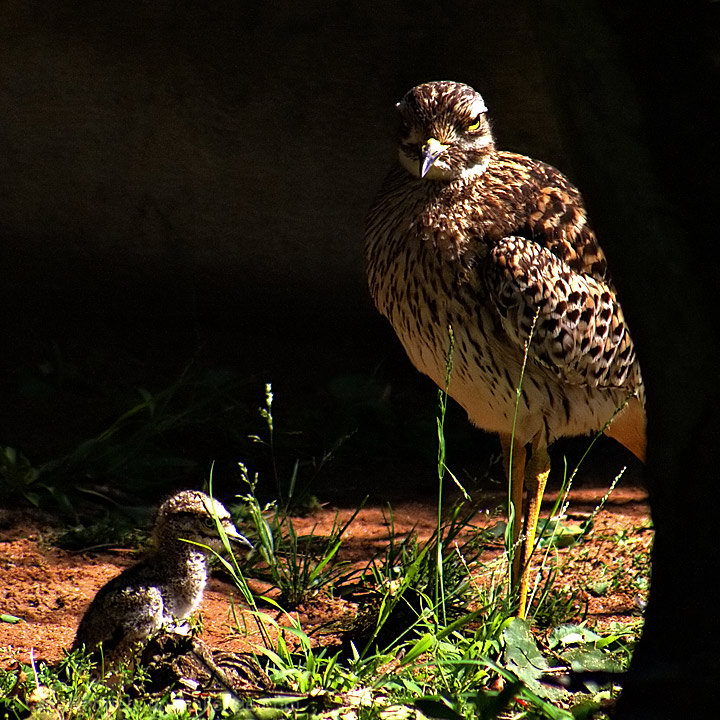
x,y
495,248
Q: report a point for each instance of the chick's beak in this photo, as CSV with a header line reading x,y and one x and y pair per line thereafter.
x,y
235,536
429,153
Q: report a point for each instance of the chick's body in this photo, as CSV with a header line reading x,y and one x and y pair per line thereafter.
x,y
167,584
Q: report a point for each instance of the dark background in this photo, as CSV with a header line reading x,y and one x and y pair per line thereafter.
x,y
182,196
183,187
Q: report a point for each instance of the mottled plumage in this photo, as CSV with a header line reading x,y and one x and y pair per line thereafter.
x,y
463,235
167,584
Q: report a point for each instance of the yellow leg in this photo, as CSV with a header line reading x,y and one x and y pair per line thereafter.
x,y
536,476
516,472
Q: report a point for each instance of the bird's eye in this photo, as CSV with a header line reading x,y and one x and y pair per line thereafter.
x,y
474,125
209,522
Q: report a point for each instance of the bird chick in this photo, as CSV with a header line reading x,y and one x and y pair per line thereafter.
x,y
167,584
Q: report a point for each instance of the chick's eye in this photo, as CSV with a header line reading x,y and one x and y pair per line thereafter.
x,y
474,125
209,522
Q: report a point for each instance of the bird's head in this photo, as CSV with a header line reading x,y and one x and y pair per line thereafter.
x,y
192,515
445,132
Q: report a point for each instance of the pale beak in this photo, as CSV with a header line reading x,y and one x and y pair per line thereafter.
x,y
429,153
235,536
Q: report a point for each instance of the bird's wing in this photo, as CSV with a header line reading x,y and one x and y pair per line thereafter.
x,y
577,325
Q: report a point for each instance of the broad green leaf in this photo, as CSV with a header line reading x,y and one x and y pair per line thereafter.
x,y
584,659
523,658
571,634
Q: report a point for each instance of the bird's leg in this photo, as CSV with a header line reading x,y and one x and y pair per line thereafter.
x,y
515,471
536,476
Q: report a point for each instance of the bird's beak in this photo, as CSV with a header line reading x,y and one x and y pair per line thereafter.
x,y
235,536
429,153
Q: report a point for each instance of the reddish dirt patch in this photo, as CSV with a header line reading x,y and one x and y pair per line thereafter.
x,y
50,588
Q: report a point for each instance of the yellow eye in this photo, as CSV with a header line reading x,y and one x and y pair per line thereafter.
x,y
474,125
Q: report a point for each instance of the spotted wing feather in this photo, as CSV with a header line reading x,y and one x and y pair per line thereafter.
x,y
579,330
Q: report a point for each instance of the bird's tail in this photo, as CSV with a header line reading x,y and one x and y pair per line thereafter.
x,y
629,428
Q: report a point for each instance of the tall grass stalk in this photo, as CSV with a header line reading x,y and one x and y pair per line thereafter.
x,y
267,414
233,568
441,468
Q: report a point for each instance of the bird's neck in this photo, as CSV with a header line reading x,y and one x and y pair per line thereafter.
x,y
180,557
472,172
185,568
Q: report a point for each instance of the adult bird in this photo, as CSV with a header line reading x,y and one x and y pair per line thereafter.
x,y
495,248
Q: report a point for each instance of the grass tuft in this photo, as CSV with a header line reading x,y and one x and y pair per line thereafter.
x,y
435,634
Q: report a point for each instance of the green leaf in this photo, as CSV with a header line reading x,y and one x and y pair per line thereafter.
x,y
521,648
586,710
523,658
598,588
422,645
561,535
571,634
584,659
10,618
607,640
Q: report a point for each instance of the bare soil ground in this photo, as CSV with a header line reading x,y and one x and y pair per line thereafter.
x,y
48,588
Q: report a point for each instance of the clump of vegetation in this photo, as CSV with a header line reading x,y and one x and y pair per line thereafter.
x,y
432,638
435,636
